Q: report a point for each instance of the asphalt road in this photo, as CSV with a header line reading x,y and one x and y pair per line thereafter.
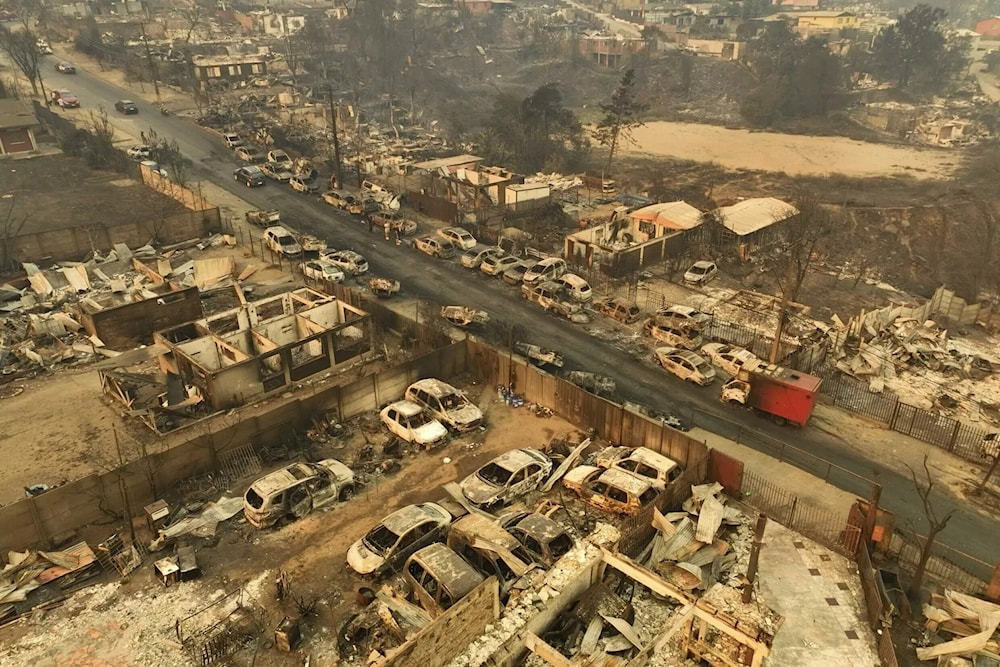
x,y
443,283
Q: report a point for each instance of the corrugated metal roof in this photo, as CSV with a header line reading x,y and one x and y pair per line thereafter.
x,y
673,214
751,215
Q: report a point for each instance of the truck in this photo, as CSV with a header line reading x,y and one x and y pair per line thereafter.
x,y
785,394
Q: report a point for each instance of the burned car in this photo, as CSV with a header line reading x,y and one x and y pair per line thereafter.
x,y
445,403
545,540
641,462
506,477
296,490
397,536
493,551
612,490
409,421
438,578
464,316
619,309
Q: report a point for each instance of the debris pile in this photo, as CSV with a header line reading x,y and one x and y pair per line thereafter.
x,y
44,322
706,543
970,621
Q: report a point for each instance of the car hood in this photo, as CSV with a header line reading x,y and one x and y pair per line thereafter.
x,y
363,560
466,416
478,491
429,432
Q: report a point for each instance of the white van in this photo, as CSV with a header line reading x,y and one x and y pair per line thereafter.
x,y
577,288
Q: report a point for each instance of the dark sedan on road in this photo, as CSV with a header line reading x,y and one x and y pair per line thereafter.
x,y
126,107
65,68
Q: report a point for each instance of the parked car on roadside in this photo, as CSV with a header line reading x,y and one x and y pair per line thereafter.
x,y
641,462
410,422
350,262
385,547
322,270
549,268
65,99
686,315
405,226
670,332
435,247
303,185
276,172
282,241
508,476
474,257
126,107
438,578
619,309
515,274
445,403
701,273
249,176
232,140
685,364
279,157
341,199
575,287
458,236
296,490
614,491
496,265
730,358
249,154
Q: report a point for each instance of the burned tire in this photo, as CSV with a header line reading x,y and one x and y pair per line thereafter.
x,y
346,493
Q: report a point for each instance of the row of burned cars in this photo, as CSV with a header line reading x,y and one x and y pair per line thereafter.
x,y
439,551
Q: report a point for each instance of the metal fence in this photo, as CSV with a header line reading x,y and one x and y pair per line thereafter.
x,y
947,565
874,606
816,523
939,430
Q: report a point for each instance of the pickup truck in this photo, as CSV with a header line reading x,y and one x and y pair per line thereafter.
x,y
549,295
263,218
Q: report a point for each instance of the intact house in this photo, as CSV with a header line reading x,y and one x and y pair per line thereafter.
x,y
989,28
752,223
238,356
17,127
210,70
631,240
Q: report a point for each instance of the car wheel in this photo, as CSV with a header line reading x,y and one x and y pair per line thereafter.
x,y
346,493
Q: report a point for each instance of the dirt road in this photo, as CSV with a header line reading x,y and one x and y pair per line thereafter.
x,y
791,153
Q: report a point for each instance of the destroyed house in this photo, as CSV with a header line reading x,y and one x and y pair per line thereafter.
x,y
209,69
238,356
631,240
447,186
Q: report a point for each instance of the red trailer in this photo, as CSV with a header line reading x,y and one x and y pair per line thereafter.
x,y
785,394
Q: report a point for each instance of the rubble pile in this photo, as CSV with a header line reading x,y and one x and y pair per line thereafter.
x,y
513,618
42,322
970,623
706,543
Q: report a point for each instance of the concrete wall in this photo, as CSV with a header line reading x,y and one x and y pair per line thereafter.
x,y
451,632
132,324
78,242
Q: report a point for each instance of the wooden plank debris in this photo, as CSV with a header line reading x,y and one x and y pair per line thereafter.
x,y
565,465
539,647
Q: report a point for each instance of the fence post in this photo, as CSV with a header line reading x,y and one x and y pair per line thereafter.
x,y
791,512
954,436
895,414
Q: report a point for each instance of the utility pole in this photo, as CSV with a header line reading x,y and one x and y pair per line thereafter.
x,y
783,308
152,65
336,140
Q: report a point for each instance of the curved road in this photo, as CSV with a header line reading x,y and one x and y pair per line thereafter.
x,y
638,380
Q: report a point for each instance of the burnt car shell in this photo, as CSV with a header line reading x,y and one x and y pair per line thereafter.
x,y
438,578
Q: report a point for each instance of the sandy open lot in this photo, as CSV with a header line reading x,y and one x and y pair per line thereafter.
x,y
790,153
